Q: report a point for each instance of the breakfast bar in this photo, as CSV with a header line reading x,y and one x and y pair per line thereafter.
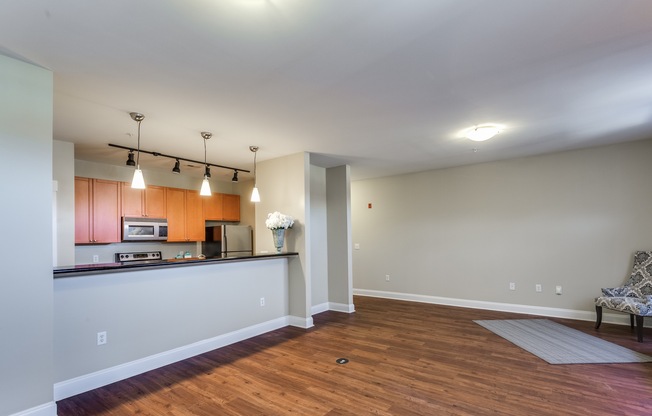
x,y
113,321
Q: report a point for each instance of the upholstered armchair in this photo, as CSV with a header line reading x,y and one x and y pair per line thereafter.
x,y
634,297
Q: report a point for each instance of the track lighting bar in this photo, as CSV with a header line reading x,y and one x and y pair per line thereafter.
x,y
131,149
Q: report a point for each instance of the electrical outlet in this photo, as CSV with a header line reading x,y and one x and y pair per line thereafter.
x,y
96,258
387,278
512,286
356,246
262,301
558,290
101,338
537,287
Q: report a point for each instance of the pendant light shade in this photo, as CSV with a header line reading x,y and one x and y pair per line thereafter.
x,y
205,188
255,195
205,185
138,182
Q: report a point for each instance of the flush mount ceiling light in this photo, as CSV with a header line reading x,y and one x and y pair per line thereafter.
x,y
138,182
255,196
482,133
205,186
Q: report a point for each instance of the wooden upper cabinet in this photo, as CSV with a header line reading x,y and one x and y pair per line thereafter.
x,y
83,195
213,207
149,202
185,214
155,206
195,225
97,211
231,207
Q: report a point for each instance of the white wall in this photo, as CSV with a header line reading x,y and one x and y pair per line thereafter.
x,y
340,274
26,362
154,312
572,219
319,236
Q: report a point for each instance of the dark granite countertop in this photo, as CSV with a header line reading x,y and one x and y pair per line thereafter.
x,y
97,268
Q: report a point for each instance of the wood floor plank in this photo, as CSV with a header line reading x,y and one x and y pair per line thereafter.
x,y
405,358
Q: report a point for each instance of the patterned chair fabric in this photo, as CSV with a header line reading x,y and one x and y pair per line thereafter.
x,y
634,297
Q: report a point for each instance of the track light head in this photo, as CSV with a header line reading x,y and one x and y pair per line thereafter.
x,y
176,169
130,159
235,176
207,172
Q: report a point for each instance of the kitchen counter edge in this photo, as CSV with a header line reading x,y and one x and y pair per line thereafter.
x,y
103,268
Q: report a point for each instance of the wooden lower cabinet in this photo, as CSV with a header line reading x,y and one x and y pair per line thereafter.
x,y
185,215
97,211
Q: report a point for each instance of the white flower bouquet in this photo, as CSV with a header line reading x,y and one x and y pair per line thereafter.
x,y
276,221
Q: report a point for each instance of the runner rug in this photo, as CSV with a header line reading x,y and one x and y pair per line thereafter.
x,y
559,344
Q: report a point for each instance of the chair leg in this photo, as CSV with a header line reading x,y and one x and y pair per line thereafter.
x,y
631,320
598,316
639,328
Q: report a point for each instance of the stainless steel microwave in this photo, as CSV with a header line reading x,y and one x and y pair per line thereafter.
x,y
144,229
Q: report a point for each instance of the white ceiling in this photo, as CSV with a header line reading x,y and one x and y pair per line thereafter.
x,y
383,85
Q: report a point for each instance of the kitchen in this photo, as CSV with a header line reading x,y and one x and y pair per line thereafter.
x,y
159,314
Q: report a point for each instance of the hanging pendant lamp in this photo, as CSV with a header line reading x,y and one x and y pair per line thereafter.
x,y
138,182
255,196
205,186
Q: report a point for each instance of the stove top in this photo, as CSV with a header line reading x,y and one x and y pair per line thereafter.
x,y
140,256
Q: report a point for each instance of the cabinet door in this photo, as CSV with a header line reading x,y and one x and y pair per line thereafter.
x,y
106,211
82,210
155,206
176,213
132,201
231,207
195,229
213,207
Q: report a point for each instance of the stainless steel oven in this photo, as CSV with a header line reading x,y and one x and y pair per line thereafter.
x,y
144,229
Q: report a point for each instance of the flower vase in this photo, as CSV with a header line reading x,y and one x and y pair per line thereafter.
x,y
279,238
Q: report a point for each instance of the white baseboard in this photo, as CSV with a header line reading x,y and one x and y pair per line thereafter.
x,y
612,318
332,306
297,321
46,409
101,378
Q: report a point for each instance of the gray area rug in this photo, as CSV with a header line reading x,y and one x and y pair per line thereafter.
x,y
559,344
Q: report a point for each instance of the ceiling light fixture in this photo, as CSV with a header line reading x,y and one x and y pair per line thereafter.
x,y
482,133
130,159
177,167
235,176
255,196
205,186
138,182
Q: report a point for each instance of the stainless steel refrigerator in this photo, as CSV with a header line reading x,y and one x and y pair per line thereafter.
x,y
228,241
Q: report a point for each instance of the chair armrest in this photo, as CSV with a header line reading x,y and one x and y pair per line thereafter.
x,y
616,291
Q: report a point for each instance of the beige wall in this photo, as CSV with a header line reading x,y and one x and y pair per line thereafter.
x,y
284,185
572,219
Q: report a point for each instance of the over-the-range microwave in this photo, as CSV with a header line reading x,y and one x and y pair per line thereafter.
x,y
144,229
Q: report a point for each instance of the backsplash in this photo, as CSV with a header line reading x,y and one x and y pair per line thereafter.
x,y
106,252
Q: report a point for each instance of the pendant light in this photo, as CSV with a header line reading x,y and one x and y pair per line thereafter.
x,y
205,186
138,182
255,196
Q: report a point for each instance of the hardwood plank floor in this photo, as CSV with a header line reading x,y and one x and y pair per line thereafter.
x,y
406,358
